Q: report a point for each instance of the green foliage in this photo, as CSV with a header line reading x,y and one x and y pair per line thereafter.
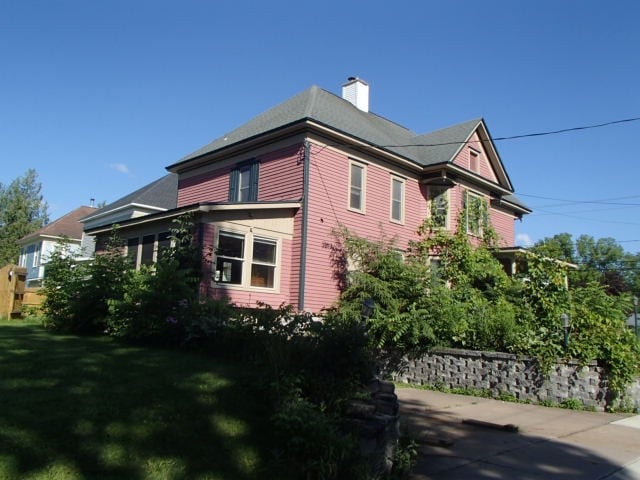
x,y
77,293
572,404
310,370
405,457
22,211
311,444
602,260
466,300
159,301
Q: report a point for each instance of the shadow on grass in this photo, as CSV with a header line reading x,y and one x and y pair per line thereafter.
x,y
83,407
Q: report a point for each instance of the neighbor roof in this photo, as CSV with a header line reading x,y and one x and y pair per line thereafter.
x,y
161,194
68,225
333,111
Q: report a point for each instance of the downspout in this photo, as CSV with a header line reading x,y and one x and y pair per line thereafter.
x,y
305,216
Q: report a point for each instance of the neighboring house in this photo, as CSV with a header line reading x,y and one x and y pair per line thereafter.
x,y
268,195
37,247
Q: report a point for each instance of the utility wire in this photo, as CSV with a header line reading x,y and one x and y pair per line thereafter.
x,y
524,135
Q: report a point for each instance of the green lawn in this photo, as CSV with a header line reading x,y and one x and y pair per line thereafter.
x,y
90,408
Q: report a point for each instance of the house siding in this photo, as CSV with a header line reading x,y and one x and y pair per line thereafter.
x,y
503,224
280,179
328,208
281,175
210,186
463,159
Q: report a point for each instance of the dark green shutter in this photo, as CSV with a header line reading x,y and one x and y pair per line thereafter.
x,y
253,189
233,185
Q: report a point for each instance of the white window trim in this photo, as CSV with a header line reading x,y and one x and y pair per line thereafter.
x,y
247,260
483,198
139,247
363,189
403,199
36,256
447,196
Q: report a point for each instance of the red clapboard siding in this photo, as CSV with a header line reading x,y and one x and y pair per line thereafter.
x,y
280,179
281,175
210,186
328,208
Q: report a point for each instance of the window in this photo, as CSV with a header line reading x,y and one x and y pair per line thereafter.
x,y
474,161
230,258
263,266
242,259
356,187
243,182
164,242
36,256
397,199
132,250
476,213
148,242
146,250
438,198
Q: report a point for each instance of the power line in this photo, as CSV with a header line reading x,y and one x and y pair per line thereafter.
x,y
572,129
524,135
603,201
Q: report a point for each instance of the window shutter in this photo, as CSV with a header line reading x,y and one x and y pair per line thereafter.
x,y
233,185
253,190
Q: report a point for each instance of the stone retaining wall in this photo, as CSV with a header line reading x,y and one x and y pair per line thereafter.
x,y
520,377
376,424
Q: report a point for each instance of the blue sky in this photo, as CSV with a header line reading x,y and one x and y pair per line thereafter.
x,y
99,96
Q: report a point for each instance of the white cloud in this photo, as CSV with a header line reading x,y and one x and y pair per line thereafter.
x,y
524,240
119,167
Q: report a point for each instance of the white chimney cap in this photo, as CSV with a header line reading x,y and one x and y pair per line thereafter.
x,y
356,91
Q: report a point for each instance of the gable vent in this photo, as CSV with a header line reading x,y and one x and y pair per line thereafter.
x,y
356,91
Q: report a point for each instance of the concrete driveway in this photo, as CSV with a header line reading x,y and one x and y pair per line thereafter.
x,y
468,438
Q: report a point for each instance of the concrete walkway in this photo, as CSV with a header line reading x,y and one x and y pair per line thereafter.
x,y
469,438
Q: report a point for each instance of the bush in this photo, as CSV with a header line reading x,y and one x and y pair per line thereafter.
x,y
77,294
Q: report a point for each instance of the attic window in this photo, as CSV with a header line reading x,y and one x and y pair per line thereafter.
x,y
474,161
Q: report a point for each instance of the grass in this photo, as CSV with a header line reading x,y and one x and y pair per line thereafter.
x,y
91,408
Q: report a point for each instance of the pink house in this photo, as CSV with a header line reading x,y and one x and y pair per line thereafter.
x,y
268,194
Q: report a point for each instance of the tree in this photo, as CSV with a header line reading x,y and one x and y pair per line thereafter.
x,y
603,261
22,211
559,246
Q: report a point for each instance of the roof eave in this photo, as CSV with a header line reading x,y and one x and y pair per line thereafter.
x,y
301,125
204,207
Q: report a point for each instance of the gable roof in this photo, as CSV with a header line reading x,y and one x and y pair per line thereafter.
x,y
68,225
326,109
161,194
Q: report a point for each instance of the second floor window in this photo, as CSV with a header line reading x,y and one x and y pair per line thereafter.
x,y
438,198
356,187
397,199
476,213
243,182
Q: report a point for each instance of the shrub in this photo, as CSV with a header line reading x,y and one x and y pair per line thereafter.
x,y
77,293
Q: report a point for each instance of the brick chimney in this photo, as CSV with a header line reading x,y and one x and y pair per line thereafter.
x,y
356,91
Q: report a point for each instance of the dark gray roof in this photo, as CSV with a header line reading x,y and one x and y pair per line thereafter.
x,y
516,201
161,193
328,109
340,115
